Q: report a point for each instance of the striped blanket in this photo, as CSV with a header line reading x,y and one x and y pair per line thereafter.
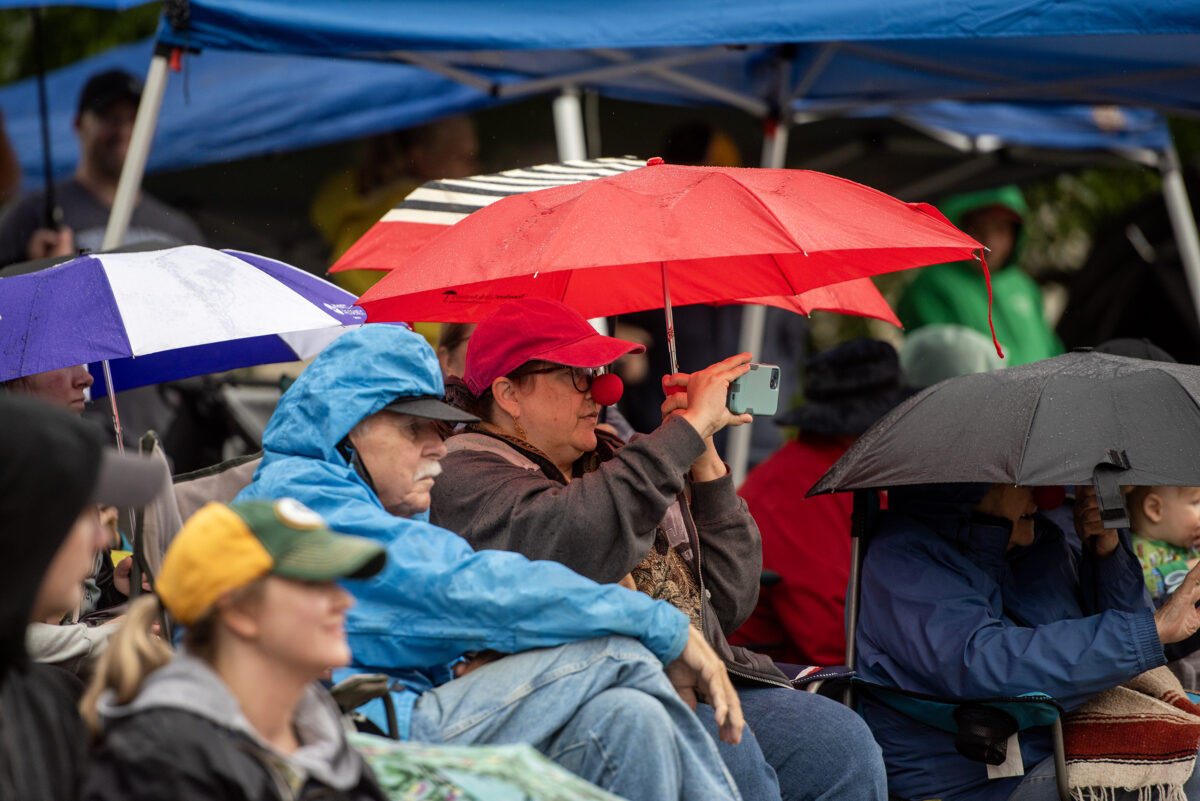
x,y
1141,736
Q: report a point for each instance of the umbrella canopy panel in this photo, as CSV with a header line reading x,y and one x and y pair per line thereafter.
x,y
1047,423
432,207
721,234
203,310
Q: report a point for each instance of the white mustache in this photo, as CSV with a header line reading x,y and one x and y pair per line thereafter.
x,y
428,468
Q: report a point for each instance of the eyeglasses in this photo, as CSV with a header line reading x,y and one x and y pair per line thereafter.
x,y
581,377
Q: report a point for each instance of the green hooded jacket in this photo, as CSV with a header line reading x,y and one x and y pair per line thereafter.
x,y
957,292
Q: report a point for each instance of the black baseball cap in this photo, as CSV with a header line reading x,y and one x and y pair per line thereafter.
x,y
105,88
431,407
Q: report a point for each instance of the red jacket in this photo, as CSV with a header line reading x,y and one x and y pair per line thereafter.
x,y
807,542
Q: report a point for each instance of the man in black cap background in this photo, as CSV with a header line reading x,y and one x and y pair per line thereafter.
x,y
103,125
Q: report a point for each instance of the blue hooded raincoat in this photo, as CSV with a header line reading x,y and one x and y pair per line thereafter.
x,y
948,610
437,598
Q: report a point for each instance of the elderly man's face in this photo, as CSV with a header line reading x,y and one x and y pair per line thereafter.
x,y
401,452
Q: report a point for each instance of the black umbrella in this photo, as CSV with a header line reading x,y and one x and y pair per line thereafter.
x,y
1080,418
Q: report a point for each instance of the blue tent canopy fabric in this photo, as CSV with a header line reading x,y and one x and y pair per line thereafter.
x,y
354,27
228,106
840,54
1053,127
110,5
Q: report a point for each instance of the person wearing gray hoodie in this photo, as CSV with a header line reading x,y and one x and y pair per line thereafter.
x,y
238,716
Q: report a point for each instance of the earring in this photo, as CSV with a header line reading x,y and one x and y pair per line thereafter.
x,y
519,429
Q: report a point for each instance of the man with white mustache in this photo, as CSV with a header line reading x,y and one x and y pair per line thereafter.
x,y
487,647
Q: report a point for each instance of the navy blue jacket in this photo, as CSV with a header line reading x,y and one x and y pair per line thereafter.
x,y
948,610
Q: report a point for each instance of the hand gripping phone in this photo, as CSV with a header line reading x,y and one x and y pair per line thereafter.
x,y
756,392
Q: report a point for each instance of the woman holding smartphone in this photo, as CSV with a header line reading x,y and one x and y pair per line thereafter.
x,y
658,514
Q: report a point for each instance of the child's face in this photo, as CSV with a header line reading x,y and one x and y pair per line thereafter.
x,y
1180,516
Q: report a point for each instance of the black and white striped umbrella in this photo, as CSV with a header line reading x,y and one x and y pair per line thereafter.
x,y
432,207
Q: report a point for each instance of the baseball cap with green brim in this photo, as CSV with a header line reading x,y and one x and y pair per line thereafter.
x,y
302,546
223,548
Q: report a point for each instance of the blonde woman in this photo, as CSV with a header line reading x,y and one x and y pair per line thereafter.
x,y
237,715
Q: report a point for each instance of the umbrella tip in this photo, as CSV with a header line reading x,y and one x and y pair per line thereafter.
x,y
654,161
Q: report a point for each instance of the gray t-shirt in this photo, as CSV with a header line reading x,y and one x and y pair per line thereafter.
x,y
152,220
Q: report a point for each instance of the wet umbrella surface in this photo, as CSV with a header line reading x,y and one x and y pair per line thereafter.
x,y
1054,422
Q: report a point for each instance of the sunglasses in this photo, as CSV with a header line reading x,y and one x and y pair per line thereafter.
x,y
581,377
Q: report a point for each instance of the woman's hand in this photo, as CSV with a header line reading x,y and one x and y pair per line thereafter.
x,y
699,670
703,405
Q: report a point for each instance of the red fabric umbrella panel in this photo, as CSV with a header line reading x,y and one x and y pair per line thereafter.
x,y
665,234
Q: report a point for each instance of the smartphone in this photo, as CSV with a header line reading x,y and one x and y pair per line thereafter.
x,y
756,392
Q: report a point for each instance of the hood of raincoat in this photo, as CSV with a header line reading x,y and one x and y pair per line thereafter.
x,y
437,598
1008,197
355,376
189,685
948,510
49,465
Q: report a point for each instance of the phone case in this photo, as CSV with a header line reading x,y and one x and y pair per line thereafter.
x,y
756,392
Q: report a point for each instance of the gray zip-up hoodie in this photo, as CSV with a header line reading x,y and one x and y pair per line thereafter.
x,y
188,685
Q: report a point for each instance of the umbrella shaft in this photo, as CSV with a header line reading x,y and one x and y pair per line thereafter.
x,y
112,401
670,320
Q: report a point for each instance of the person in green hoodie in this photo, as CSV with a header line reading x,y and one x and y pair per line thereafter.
x,y
957,292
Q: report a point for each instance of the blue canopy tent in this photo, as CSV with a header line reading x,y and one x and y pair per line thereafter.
x,y
239,105
111,5
236,105
759,55
835,53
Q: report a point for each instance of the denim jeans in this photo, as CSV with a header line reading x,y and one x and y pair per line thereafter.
x,y
1039,785
755,779
820,749
601,708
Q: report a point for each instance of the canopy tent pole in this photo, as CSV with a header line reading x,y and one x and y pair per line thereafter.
x,y
1183,221
754,318
568,125
134,168
572,146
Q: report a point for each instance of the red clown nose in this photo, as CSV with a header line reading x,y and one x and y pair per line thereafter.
x,y
607,389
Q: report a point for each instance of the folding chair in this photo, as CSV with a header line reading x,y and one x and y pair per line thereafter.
x,y
220,482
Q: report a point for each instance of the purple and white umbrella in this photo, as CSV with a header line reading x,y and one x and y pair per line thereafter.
x,y
162,315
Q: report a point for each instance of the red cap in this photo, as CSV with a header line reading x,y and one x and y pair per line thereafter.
x,y
536,328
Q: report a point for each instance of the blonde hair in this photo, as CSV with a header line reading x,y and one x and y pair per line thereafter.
x,y
133,653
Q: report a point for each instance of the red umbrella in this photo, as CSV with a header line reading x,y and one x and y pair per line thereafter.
x,y
858,297
436,205
666,234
